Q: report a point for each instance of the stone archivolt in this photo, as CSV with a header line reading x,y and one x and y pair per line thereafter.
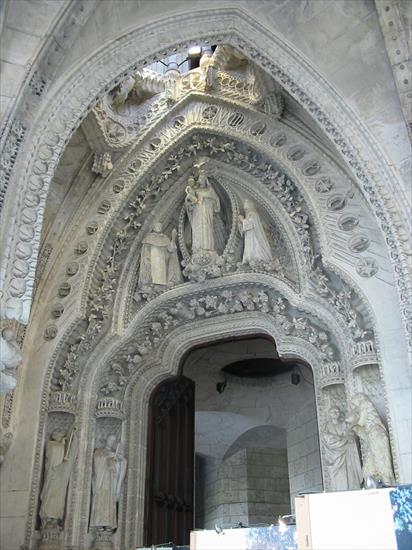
x,y
308,207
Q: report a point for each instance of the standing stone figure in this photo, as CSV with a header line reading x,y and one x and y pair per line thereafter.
x,y
159,264
10,358
61,451
368,426
202,203
341,453
256,244
109,469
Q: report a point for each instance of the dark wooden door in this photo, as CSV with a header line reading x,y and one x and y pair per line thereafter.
x,y
170,468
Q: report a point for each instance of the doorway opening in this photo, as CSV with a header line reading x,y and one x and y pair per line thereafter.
x,y
254,435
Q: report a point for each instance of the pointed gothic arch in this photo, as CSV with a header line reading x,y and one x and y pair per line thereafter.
x,y
55,126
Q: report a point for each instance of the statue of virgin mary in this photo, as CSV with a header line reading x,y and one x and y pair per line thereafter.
x,y
202,202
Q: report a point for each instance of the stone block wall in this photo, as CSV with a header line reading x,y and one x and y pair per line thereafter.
x,y
305,473
250,486
268,485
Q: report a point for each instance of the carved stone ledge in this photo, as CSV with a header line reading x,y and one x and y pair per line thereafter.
x,y
363,353
61,401
50,538
109,407
331,375
103,540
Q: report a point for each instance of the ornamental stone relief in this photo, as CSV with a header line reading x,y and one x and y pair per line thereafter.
x,y
143,98
98,313
289,84
159,259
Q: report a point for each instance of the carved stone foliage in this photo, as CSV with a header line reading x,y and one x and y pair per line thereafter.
x,y
128,226
341,300
203,305
13,142
64,116
141,99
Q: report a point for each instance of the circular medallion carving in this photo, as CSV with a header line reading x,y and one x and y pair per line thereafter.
x,y
278,141
210,112
367,267
236,119
50,332
118,187
72,268
64,290
296,153
311,168
92,227
81,247
348,222
324,185
359,243
179,121
336,203
258,128
57,310
104,207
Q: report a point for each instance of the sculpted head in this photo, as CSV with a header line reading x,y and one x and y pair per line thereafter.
x,y
249,206
57,435
7,334
111,441
202,179
335,413
157,227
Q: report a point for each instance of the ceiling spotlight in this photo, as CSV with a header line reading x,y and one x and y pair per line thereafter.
x,y
194,51
221,386
295,378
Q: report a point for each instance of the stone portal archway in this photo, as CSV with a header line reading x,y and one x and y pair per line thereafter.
x,y
167,363
341,364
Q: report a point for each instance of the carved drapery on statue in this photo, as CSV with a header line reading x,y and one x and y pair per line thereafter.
x,y
206,225
341,453
61,451
109,469
159,264
202,203
256,247
374,439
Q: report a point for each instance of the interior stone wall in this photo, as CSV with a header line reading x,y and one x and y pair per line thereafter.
x,y
268,485
250,472
305,473
250,486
